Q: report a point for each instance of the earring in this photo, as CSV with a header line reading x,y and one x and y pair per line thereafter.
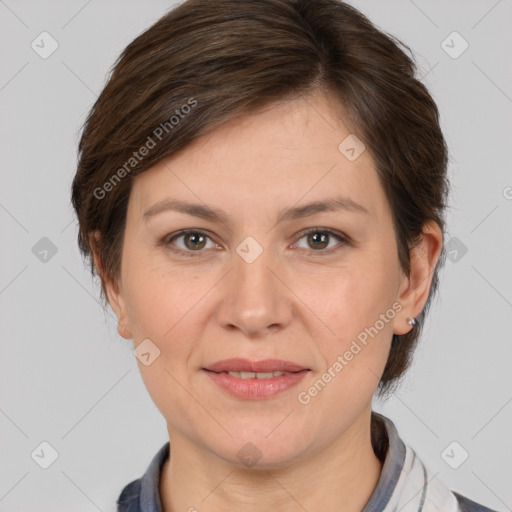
x,y
412,321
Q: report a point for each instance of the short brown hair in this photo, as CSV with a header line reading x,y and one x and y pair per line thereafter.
x,y
228,58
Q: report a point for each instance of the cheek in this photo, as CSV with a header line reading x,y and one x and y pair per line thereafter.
x,y
360,312
357,306
162,306
350,298
159,300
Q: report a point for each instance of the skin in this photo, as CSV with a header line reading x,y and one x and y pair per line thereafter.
x,y
291,303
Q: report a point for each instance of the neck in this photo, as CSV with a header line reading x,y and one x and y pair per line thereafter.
x,y
340,477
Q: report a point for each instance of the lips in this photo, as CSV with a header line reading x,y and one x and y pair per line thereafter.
x,y
245,365
255,380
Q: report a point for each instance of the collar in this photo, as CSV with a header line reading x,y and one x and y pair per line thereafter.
x,y
405,484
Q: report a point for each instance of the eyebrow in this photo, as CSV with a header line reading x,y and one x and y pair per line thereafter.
x,y
215,214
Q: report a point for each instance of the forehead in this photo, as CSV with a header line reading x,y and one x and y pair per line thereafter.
x,y
287,153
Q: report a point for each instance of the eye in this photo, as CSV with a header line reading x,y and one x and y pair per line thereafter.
x,y
192,241
320,240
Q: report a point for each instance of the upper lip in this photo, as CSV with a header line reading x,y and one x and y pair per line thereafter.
x,y
238,364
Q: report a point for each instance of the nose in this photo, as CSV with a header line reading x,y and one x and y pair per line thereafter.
x,y
255,299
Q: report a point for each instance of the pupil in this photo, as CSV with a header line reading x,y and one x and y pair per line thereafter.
x,y
314,238
193,238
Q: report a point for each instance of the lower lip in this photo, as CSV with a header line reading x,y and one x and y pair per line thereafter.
x,y
256,389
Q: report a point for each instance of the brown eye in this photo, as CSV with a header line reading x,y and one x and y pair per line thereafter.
x,y
322,240
194,241
318,240
189,242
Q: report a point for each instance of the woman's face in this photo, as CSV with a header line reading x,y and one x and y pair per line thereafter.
x,y
319,287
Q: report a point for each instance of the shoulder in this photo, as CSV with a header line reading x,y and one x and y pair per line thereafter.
x,y
143,494
467,505
128,500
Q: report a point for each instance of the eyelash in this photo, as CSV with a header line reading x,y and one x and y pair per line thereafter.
x,y
344,240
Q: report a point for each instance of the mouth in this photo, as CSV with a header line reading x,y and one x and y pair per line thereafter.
x,y
246,366
255,380
255,375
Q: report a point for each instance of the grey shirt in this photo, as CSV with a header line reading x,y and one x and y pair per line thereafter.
x,y
405,483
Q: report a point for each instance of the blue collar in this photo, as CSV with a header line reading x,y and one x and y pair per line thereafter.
x,y
143,495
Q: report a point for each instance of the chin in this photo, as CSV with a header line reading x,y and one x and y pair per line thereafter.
x,y
261,449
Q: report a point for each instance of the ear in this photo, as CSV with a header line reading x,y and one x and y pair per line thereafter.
x,y
415,287
113,290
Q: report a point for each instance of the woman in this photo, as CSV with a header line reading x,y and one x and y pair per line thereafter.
x,y
261,188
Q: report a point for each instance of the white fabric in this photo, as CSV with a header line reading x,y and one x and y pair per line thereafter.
x,y
419,490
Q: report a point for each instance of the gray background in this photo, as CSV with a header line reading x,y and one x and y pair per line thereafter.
x,y
67,378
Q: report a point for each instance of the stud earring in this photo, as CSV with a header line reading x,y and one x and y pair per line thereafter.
x,y
412,321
